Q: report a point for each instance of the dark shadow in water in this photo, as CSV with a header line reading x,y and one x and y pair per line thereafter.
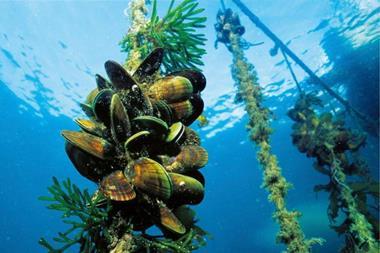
x,y
357,69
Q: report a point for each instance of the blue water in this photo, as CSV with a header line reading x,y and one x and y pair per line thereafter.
x,y
50,51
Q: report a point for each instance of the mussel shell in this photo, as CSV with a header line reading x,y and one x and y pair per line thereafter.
x,y
87,109
154,125
189,110
182,110
91,127
186,215
186,190
120,124
89,143
118,76
191,137
101,106
163,111
117,187
149,176
191,157
87,165
91,96
198,107
169,221
176,133
196,174
150,64
102,83
171,89
137,102
137,141
196,78
239,30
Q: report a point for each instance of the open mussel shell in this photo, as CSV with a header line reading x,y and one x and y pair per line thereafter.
x,y
171,89
149,176
196,78
150,64
118,76
120,124
154,125
101,106
87,165
163,111
169,221
117,187
91,127
102,83
89,143
136,141
176,133
190,158
186,190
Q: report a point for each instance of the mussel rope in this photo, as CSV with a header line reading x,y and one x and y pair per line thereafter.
x,y
370,122
138,20
360,228
292,72
245,77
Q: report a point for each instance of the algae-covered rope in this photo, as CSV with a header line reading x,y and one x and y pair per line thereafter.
x,y
359,224
245,77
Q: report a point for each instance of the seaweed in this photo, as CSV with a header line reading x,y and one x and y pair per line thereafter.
x,y
87,221
176,33
335,147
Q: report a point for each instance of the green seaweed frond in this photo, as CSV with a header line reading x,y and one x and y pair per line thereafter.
x,y
176,32
194,239
79,211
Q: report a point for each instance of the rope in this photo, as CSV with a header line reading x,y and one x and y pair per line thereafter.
x,y
223,5
292,72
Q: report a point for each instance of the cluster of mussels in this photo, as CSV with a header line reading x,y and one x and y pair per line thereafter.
x,y
322,137
227,23
137,145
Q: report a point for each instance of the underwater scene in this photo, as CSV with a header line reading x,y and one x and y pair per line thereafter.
x,y
189,126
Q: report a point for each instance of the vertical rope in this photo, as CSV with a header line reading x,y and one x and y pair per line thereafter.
x,y
249,90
